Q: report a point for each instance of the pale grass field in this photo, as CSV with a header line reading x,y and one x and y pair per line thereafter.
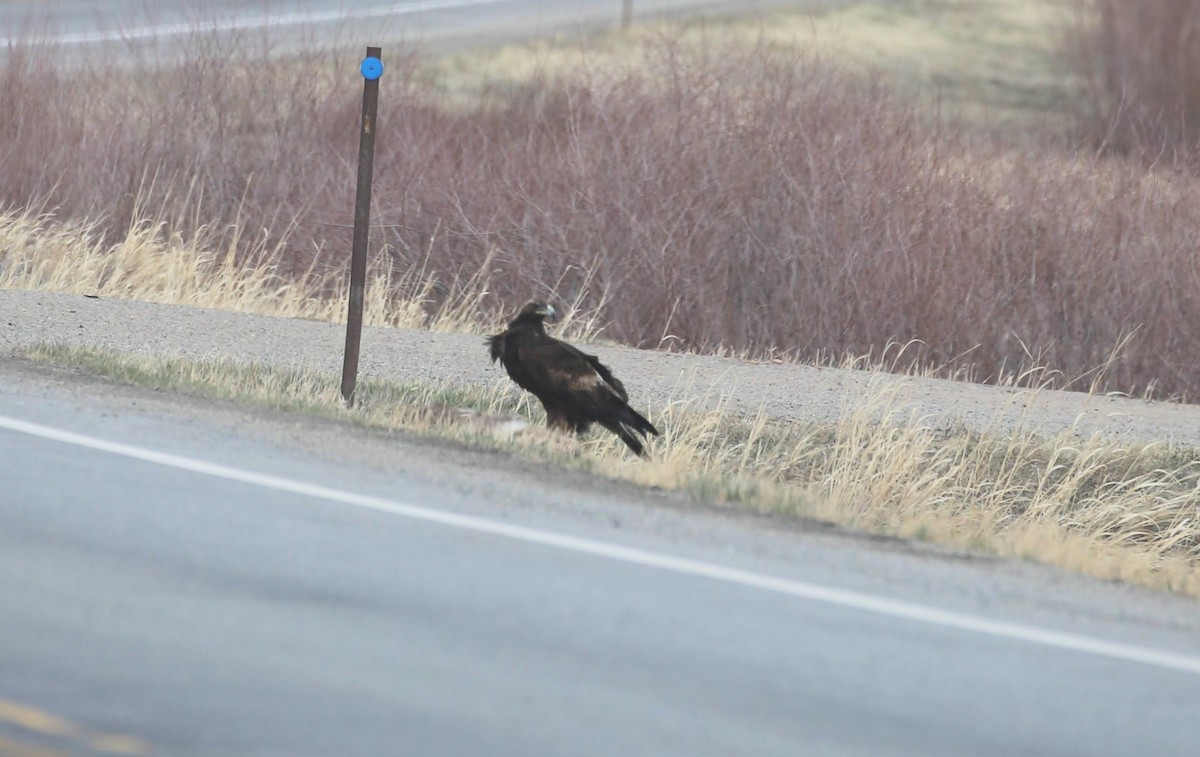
x,y
1125,513
993,63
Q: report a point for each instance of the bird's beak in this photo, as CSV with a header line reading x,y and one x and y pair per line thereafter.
x,y
549,312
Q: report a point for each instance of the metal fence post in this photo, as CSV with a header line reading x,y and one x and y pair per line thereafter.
x,y
626,13
372,69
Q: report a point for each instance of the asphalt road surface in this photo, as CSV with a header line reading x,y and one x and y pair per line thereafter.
x,y
189,579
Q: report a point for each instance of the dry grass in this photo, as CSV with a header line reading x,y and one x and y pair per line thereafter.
x,y
151,263
1130,513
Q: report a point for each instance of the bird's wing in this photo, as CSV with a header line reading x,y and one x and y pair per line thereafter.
x,y
561,369
601,369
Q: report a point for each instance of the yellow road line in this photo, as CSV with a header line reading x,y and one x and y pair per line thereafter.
x,y
15,749
110,743
36,720
44,723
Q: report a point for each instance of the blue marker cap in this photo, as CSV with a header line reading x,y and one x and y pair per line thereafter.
x,y
372,68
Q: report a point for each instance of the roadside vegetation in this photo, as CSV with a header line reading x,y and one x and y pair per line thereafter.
x,y
1017,203
1116,512
747,194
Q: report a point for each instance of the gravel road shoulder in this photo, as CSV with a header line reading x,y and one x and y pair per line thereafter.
x,y
787,391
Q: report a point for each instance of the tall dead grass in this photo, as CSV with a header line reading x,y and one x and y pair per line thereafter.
x,y
151,263
710,197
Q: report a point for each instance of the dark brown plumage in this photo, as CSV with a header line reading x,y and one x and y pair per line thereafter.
x,y
576,389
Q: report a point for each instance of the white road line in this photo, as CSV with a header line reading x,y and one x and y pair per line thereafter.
x,y
852,599
266,20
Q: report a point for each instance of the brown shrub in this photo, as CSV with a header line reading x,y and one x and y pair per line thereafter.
x,y
1140,64
721,198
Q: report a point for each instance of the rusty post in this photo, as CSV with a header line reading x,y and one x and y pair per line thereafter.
x,y
372,69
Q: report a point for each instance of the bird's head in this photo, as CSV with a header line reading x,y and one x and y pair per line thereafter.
x,y
536,311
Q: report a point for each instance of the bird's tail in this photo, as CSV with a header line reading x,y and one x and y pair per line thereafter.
x,y
638,422
628,425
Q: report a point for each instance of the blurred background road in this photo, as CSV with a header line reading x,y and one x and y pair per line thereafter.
x,y
74,22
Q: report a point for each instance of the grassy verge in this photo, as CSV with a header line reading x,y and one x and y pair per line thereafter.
x,y
1118,512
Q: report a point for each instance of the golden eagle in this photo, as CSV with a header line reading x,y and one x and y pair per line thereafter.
x,y
574,387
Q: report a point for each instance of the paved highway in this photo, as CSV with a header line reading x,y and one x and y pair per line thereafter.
x,y
187,579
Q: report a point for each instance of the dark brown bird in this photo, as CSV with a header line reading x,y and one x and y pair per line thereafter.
x,y
576,389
